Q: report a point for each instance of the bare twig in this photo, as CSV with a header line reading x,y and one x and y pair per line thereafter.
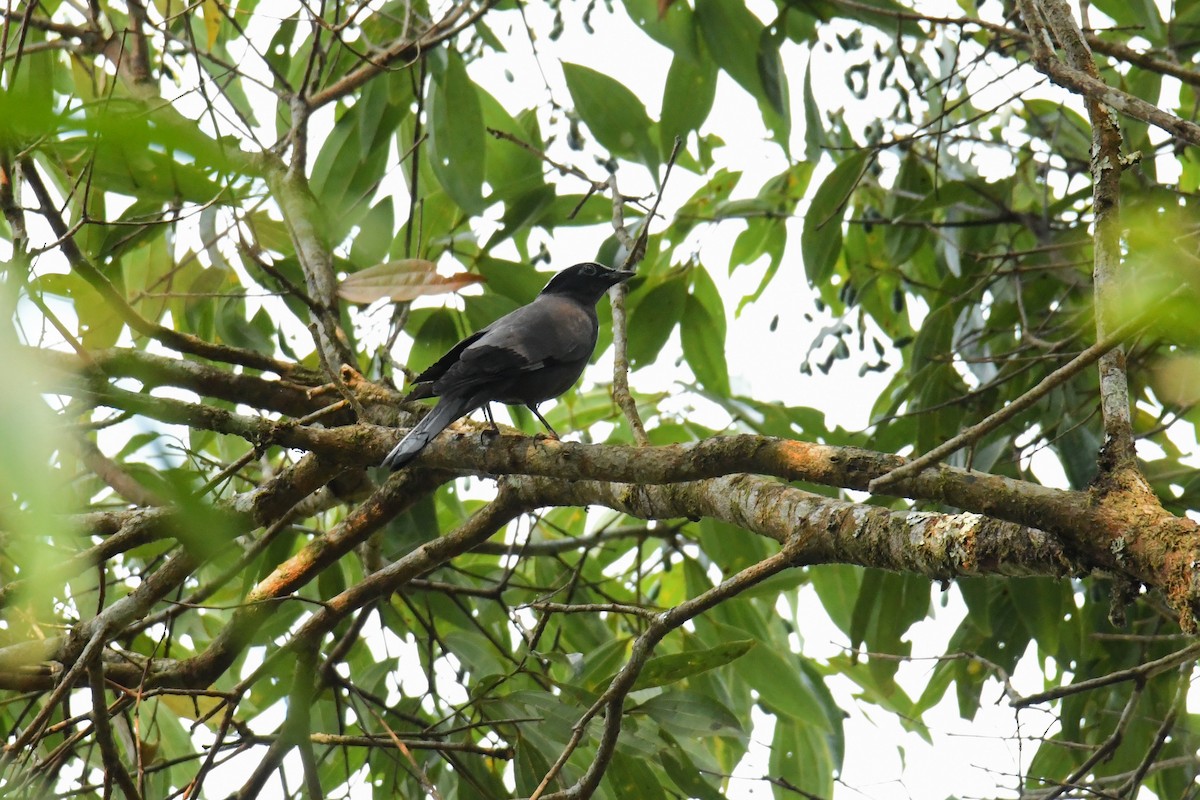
x,y
595,608
990,423
1105,749
612,701
114,766
635,251
1140,673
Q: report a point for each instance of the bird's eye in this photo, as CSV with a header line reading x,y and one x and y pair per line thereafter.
x,y
589,270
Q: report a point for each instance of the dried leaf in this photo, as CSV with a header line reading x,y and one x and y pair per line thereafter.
x,y
401,280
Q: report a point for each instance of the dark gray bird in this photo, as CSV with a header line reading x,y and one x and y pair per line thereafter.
x,y
524,358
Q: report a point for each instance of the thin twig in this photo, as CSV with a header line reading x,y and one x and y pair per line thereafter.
x,y
635,251
1139,673
114,767
990,423
612,702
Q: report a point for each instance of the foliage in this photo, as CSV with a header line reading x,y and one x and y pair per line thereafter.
x,y
200,561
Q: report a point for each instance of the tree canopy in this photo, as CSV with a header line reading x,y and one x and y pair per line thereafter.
x,y
233,231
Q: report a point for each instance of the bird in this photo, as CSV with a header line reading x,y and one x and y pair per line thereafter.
x,y
526,357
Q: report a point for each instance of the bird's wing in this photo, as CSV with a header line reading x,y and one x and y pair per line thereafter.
x,y
550,330
439,367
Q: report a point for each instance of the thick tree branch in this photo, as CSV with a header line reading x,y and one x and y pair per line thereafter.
x,y
1129,533
824,530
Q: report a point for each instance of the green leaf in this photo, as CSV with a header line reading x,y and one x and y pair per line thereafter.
x,y
278,54
27,104
703,339
771,73
733,36
1042,605
653,315
742,46
632,777
913,184
686,776
783,687
800,756
1141,14
433,336
531,764
688,714
814,124
374,234
821,239
1070,132
614,114
687,99
673,667
511,170
1078,448
353,159
889,17
603,662
457,140
672,27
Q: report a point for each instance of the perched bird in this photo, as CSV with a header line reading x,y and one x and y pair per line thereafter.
x,y
524,358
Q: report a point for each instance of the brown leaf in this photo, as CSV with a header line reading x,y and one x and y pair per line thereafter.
x,y
402,280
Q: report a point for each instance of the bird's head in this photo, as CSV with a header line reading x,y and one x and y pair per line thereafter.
x,y
586,282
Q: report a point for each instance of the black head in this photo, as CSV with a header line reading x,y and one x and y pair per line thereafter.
x,y
585,282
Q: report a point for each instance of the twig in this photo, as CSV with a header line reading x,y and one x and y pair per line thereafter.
x,y
34,729
563,169
1104,750
114,767
620,387
407,50
990,423
612,702
184,343
419,771
636,250
335,375
1160,736
594,608
1139,673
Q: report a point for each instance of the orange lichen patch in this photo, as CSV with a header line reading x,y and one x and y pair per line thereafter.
x,y
801,456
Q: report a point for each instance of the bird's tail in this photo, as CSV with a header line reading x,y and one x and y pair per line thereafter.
x,y
446,411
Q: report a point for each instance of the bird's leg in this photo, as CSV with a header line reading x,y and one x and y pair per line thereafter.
x,y
533,407
487,414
